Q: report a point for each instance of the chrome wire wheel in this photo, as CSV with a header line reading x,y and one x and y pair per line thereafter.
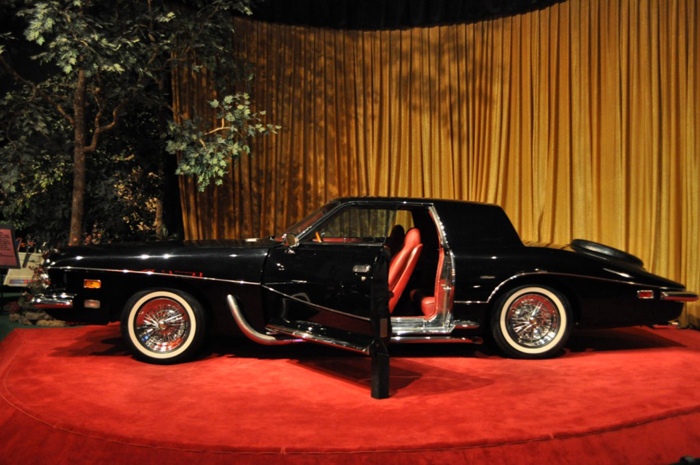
x,y
531,322
162,325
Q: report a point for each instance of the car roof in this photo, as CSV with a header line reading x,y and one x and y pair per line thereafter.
x,y
469,225
383,200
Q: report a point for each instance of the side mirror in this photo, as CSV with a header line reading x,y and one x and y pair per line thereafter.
x,y
290,240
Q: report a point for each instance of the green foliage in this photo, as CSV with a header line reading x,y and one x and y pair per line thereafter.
x,y
206,152
34,187
35,182
123,36
125,181
124,52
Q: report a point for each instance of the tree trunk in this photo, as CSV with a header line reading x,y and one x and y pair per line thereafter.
x,y
78,203
158,223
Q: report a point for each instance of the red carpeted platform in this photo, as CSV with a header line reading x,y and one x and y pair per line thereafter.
x,y
621,396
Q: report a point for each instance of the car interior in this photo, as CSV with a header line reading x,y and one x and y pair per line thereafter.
x,y
411,237
414,267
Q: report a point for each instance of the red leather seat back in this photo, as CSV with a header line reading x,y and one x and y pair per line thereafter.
x,y
402,266
396,240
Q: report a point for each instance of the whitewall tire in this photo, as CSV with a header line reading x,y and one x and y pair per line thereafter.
x,y
163,326
531,322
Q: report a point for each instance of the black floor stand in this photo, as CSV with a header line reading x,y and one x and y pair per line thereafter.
x,y
380,373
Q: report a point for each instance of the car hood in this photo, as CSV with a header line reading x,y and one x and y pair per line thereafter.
x,y
222,259
139,249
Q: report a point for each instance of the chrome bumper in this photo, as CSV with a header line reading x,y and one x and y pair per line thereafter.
x,y
679,296
62,300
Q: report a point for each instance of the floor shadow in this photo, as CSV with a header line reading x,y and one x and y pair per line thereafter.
x,y
443,350
96,341
408,377
356,369
606,340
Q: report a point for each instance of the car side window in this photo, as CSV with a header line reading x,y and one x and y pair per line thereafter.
x,y
404,218
356,225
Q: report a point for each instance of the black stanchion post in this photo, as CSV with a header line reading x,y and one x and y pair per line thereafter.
x,y
380,372
381,321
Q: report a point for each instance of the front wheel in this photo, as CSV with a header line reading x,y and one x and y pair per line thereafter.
x,y
531,322
163,326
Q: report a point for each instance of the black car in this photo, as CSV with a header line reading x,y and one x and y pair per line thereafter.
x,y
360,273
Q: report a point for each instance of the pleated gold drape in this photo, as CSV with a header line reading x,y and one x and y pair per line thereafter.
x,y
581,120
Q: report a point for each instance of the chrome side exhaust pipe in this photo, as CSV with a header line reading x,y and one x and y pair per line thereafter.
x,y
250,332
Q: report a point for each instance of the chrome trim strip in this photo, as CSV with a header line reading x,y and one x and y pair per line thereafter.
x,y
154,273
433,339
444,297
320,339
418,326
311,304
61,300
531,273
439,226
465,324
250,332
679,296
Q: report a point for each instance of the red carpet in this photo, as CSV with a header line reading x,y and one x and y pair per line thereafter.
x,y
621,396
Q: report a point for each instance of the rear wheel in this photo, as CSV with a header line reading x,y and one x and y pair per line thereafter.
x,y
531,322
163,326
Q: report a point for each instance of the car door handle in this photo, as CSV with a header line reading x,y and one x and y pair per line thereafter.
x,y
362,268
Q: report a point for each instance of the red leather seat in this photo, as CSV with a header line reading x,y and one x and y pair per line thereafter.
x,y
402,266
396,240
428,302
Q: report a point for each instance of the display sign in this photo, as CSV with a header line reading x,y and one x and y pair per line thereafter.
x,y
9,258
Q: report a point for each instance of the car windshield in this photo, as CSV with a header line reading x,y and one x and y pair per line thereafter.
x,y
304,224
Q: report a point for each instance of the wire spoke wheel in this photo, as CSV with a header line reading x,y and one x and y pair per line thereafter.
x,y
162,325
531,322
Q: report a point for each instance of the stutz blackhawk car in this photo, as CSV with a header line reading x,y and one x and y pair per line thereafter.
x,y
359,274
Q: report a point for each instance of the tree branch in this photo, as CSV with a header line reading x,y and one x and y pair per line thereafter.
x,y
107,127
95,92
99,130
36,90
176,112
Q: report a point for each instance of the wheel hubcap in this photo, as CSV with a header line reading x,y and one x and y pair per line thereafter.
x,y
533,320
162,325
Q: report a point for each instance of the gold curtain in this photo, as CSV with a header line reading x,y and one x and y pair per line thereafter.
x,y
582,120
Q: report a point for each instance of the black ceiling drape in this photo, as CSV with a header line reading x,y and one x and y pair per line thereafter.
x,y
388,14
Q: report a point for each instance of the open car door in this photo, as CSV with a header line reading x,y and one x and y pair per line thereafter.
x,y
342,302
331,287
